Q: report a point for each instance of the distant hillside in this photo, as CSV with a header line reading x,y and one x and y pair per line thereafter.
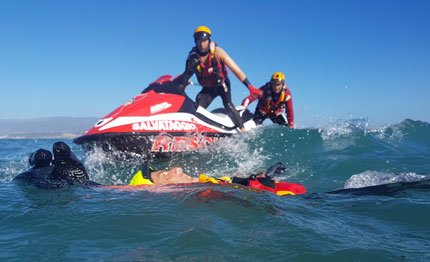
x,y
51,127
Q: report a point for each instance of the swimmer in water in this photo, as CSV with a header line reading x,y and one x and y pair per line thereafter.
x,y
63,170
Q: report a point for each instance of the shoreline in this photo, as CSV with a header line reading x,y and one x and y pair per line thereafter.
x,y
41,136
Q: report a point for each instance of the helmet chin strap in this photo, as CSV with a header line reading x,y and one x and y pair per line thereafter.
x,y
202,53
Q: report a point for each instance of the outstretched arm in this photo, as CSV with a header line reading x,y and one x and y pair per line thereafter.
x,y
190,65
289,109
227,60
184,79
249,99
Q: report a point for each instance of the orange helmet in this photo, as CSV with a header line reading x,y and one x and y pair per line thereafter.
x,y
278,77
202,33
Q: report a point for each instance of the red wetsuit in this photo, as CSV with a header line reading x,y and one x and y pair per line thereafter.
x,y
272,105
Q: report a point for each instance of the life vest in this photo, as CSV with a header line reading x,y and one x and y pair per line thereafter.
x,y
207,73
279,188
143,176
263,182
270,107
259,182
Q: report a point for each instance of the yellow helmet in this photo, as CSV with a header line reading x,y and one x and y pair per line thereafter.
x,y
202,32
278,77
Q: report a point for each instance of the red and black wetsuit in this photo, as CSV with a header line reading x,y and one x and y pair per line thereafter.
x,y
211,71
271,105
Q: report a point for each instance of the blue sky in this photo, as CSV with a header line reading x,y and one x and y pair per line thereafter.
x,y
342,59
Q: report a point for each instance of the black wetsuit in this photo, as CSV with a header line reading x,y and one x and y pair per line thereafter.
x,y
64,170
260,117
209,93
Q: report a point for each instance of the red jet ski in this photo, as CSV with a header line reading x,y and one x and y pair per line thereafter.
x,y
159,121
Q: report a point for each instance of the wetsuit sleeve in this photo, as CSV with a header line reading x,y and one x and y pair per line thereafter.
x,y
188,73
289,108
184,78
189,68
251,98
227,60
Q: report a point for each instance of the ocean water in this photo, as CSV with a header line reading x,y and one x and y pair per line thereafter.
x,y
178,223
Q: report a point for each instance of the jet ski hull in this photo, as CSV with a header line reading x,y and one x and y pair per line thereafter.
x,y
157,144
160,120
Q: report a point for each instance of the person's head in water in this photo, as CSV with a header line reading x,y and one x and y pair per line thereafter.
x,y
277,81
40,158
202,38
61,151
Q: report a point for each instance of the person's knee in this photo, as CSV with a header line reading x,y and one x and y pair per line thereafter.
x,y
258,121
203,100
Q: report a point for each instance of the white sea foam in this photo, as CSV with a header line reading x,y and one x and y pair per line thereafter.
x,y
374,178
101,164
239,151
343,127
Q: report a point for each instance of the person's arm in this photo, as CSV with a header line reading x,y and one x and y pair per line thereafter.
x,y
184,79
249,99
224,58
227,60
187,74
289,108
190,65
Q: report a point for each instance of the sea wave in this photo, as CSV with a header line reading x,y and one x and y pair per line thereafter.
x,y
374,178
